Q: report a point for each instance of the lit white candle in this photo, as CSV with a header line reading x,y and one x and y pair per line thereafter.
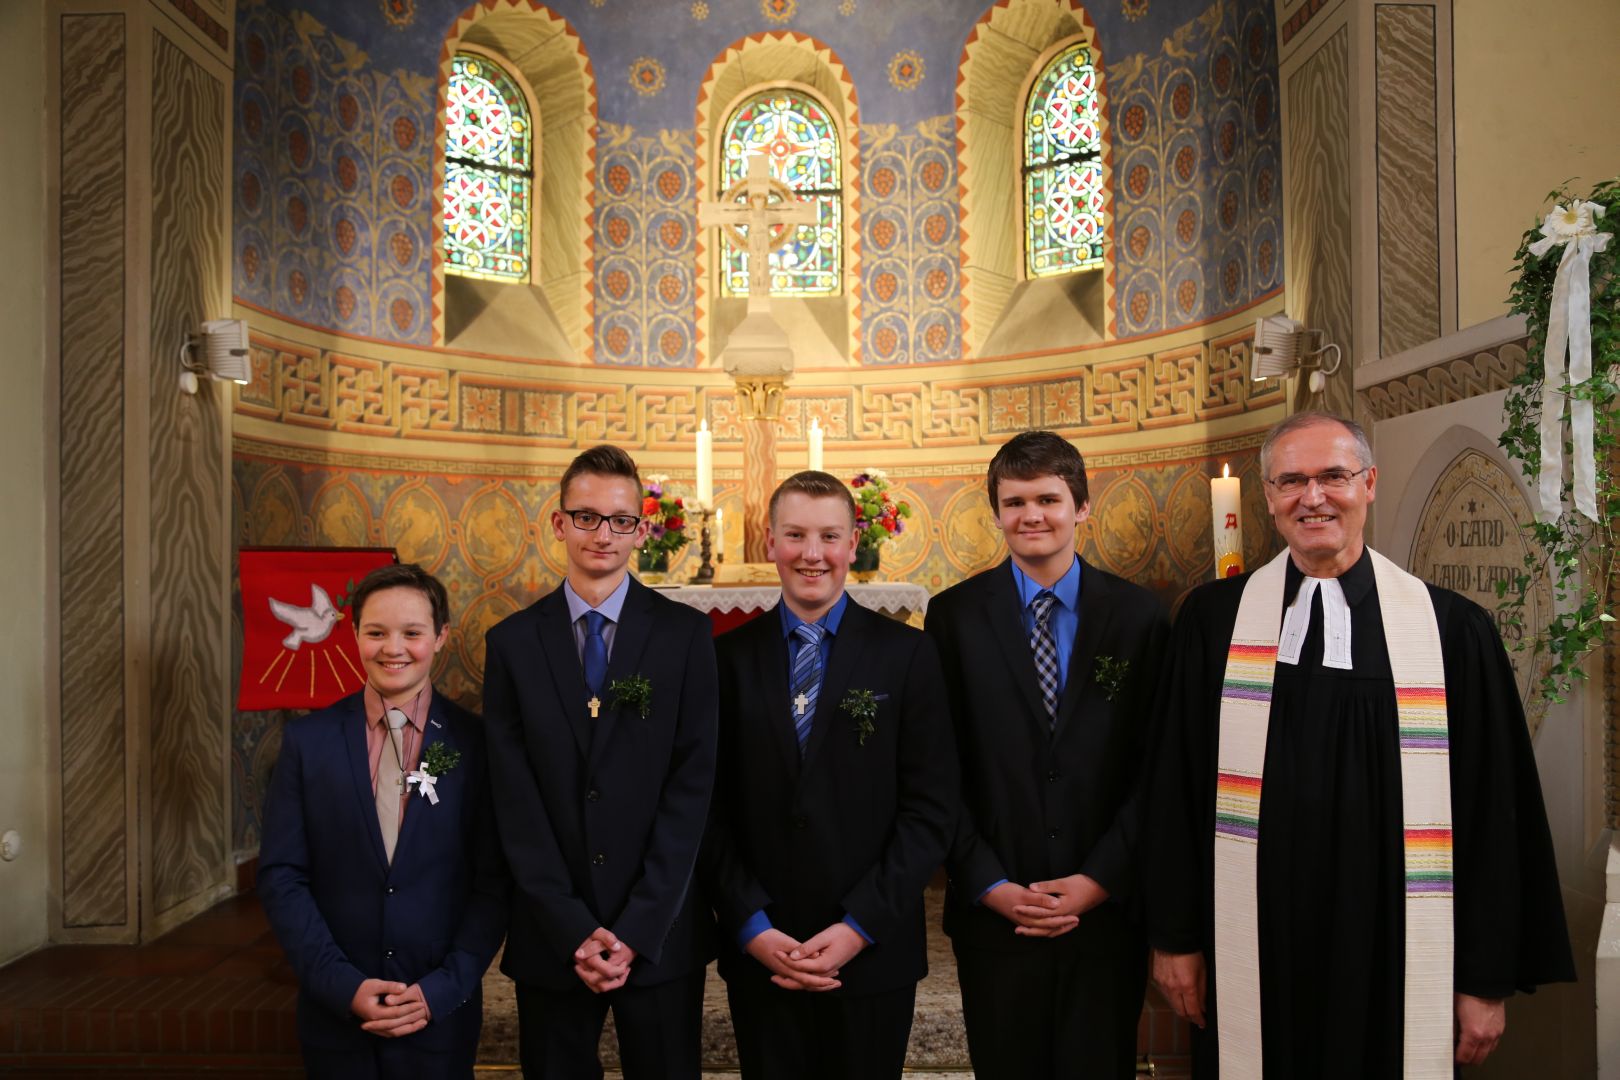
x,y
1226,501
705,465
815,444
720,533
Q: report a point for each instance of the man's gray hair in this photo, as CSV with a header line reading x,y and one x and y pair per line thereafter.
x,y
1311,418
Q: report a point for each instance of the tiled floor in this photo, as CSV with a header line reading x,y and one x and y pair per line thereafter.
x,y
215,998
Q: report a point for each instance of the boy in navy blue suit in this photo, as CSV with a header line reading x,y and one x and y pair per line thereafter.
x,y
380,869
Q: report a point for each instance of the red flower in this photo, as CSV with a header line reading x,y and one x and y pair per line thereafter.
x,y
649,506
680,503
675,523
888,523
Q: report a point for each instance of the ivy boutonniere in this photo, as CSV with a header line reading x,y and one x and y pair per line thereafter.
x,y
437,760
632,692
1109,674
862,707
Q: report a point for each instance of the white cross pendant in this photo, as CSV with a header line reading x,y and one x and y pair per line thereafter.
x,y
595,703
799,703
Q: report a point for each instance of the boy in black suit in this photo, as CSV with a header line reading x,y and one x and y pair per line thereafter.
x,y
833,805
1051,664
379,868
599,701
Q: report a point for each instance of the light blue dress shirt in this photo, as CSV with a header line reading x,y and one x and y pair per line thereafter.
x,y
611,608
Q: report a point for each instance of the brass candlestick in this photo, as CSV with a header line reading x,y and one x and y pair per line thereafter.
x,y
705,570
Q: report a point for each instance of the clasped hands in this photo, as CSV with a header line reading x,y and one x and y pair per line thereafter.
x,y
810,965
390,1009
602,961
1046,909
1182,980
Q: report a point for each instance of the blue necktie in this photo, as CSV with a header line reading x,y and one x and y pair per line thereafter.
x,y
1044,645
596,658
806,681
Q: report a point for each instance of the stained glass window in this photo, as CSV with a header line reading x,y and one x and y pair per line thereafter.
x,y
1063,181
488,173
795,133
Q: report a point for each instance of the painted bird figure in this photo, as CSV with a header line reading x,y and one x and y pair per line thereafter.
x,y
311,624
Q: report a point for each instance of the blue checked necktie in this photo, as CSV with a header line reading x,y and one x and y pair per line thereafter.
x,y
596,658
806,681
1044,646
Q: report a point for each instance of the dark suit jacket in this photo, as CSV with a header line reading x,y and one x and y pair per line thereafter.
x,y
853,829
601,819
344,914
1039,804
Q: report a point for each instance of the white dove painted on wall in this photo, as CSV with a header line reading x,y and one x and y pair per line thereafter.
x,y
311,624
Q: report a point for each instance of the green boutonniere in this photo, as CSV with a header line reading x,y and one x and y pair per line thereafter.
x,y
632,692
1109,674
862,707
437,760
440,758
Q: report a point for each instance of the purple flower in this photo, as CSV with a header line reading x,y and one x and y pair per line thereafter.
x,y
899,525
655,490
657,531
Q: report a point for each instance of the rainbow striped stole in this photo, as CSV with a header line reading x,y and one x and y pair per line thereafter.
x,y
1413,639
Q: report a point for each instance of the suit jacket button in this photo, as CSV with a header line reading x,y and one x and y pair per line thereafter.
x,y
390,890
598,859
801,822
592,795
389,954
1052,777
1052,834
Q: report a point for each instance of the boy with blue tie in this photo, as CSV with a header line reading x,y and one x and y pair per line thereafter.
x,y
600,705
379,867
834,801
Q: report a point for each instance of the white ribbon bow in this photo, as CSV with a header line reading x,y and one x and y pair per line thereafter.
x,y
424,781
1569,323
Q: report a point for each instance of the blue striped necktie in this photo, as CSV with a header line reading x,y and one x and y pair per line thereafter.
x,y
806,681
1044,645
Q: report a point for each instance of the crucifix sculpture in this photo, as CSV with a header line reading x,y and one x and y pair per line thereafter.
x,y
758,355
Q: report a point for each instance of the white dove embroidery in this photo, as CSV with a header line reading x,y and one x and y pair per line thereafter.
x,y
310,624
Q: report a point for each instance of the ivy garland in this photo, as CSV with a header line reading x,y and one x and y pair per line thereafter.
x,y
1576,555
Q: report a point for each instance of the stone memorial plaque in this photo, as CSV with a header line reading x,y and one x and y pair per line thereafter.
x,y
1470,537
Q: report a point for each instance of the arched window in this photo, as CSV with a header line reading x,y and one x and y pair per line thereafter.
x,y
796,133
1063,177
488,173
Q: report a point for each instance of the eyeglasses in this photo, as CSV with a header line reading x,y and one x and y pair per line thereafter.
x,y
1335,480
590,521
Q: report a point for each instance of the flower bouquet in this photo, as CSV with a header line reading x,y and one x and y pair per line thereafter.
x,y
878,519
666,515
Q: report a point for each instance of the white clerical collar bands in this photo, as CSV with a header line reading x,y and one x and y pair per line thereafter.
x,y
1335,624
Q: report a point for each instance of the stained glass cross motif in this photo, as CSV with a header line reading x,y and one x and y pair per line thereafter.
x,y
1064,197
488,172
794,132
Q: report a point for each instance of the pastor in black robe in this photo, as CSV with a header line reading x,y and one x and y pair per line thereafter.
x,y
1331,871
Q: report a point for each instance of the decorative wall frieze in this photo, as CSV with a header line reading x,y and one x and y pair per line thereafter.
x,y
1481,371
309,390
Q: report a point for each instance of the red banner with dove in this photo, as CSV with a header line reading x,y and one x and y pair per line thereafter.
x,y
298,647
